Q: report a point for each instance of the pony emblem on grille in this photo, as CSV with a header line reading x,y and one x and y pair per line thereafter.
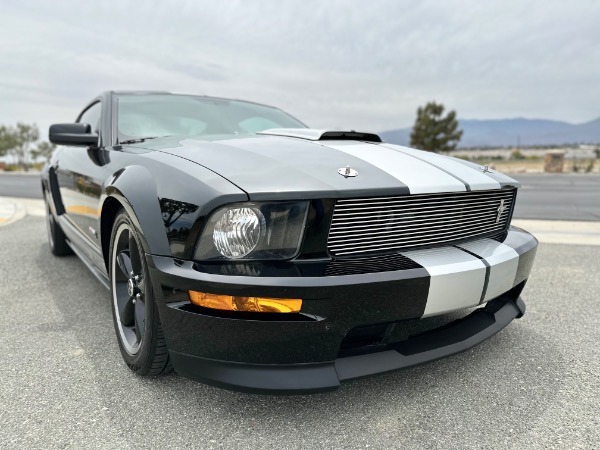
x,y
500,210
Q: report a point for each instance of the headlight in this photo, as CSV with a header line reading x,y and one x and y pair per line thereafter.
x,y
237,232
253,231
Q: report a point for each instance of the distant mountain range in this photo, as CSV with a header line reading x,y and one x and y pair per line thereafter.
x,y
513,132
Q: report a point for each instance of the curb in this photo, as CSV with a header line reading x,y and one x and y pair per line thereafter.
x,y
11,212
16,172
15,209
562,231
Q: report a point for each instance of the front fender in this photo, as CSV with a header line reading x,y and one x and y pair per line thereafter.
x,y
134,187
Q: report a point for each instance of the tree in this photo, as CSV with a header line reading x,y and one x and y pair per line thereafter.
x,y
8,139
43,150
433,131
172,210
17,141
25,136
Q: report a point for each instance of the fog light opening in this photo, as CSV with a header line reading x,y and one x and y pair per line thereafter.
x,y
246,304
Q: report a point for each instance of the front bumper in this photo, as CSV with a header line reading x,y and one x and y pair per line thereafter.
x,y
318,377
350,325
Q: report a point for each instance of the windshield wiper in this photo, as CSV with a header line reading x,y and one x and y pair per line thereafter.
x,y
138,140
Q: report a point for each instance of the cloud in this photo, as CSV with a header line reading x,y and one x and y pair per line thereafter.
x,y
332,64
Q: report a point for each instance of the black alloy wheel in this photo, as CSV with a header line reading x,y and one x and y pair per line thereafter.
x,y
135,313
128,289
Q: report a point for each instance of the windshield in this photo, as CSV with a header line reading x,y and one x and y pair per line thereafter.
x,y
175,115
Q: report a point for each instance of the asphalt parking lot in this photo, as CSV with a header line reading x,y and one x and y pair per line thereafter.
x,y
534,385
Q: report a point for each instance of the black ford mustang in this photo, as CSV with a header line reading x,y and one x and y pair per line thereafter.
x,y
248,251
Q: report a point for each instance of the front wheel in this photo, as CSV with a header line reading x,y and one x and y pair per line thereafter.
x,y
135,313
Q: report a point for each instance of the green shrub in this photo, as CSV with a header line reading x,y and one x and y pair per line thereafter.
x,y
590,166
583,165
517,154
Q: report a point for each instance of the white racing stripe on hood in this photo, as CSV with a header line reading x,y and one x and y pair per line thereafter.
x,y
419,176
503,261
474,179
457,278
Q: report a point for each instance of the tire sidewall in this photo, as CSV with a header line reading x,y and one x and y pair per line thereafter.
x,y
50,227
56,237
140,362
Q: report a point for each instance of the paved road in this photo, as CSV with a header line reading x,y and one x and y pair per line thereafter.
x,y
534,385
17,185
543,196
560,197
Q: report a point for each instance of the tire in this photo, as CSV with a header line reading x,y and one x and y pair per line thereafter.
x,y
143,347
56,237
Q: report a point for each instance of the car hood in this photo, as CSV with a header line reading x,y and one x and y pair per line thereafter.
x,y
285,167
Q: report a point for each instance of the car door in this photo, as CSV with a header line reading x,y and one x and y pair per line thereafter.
x,y
81,171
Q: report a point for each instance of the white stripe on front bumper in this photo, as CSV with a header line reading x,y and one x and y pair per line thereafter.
x,y
503,261
457,278
419,176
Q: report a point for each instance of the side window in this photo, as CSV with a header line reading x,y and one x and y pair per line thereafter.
x,y
92,116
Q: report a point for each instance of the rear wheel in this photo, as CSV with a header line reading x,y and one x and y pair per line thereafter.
x,y
135,313
56,237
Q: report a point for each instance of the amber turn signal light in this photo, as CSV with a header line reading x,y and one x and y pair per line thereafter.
x,y
248,304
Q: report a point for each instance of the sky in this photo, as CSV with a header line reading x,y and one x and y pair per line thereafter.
x,y
364,65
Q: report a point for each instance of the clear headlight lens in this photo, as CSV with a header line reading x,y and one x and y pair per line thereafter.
x,y
253,231
237,232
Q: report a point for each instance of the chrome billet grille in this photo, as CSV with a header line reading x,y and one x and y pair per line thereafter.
x,y
422,220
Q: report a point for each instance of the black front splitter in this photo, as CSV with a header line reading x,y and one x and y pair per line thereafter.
x,y
450,339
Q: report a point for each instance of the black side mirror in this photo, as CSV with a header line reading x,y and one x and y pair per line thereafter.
x,y
72,134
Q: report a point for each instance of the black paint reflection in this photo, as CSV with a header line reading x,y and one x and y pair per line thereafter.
x,y
173,210
251,269
179,218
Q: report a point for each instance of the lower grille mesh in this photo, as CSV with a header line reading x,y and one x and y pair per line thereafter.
x,y
393,223
382,263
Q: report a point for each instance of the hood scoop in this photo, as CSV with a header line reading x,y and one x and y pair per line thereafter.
x,y
322,135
